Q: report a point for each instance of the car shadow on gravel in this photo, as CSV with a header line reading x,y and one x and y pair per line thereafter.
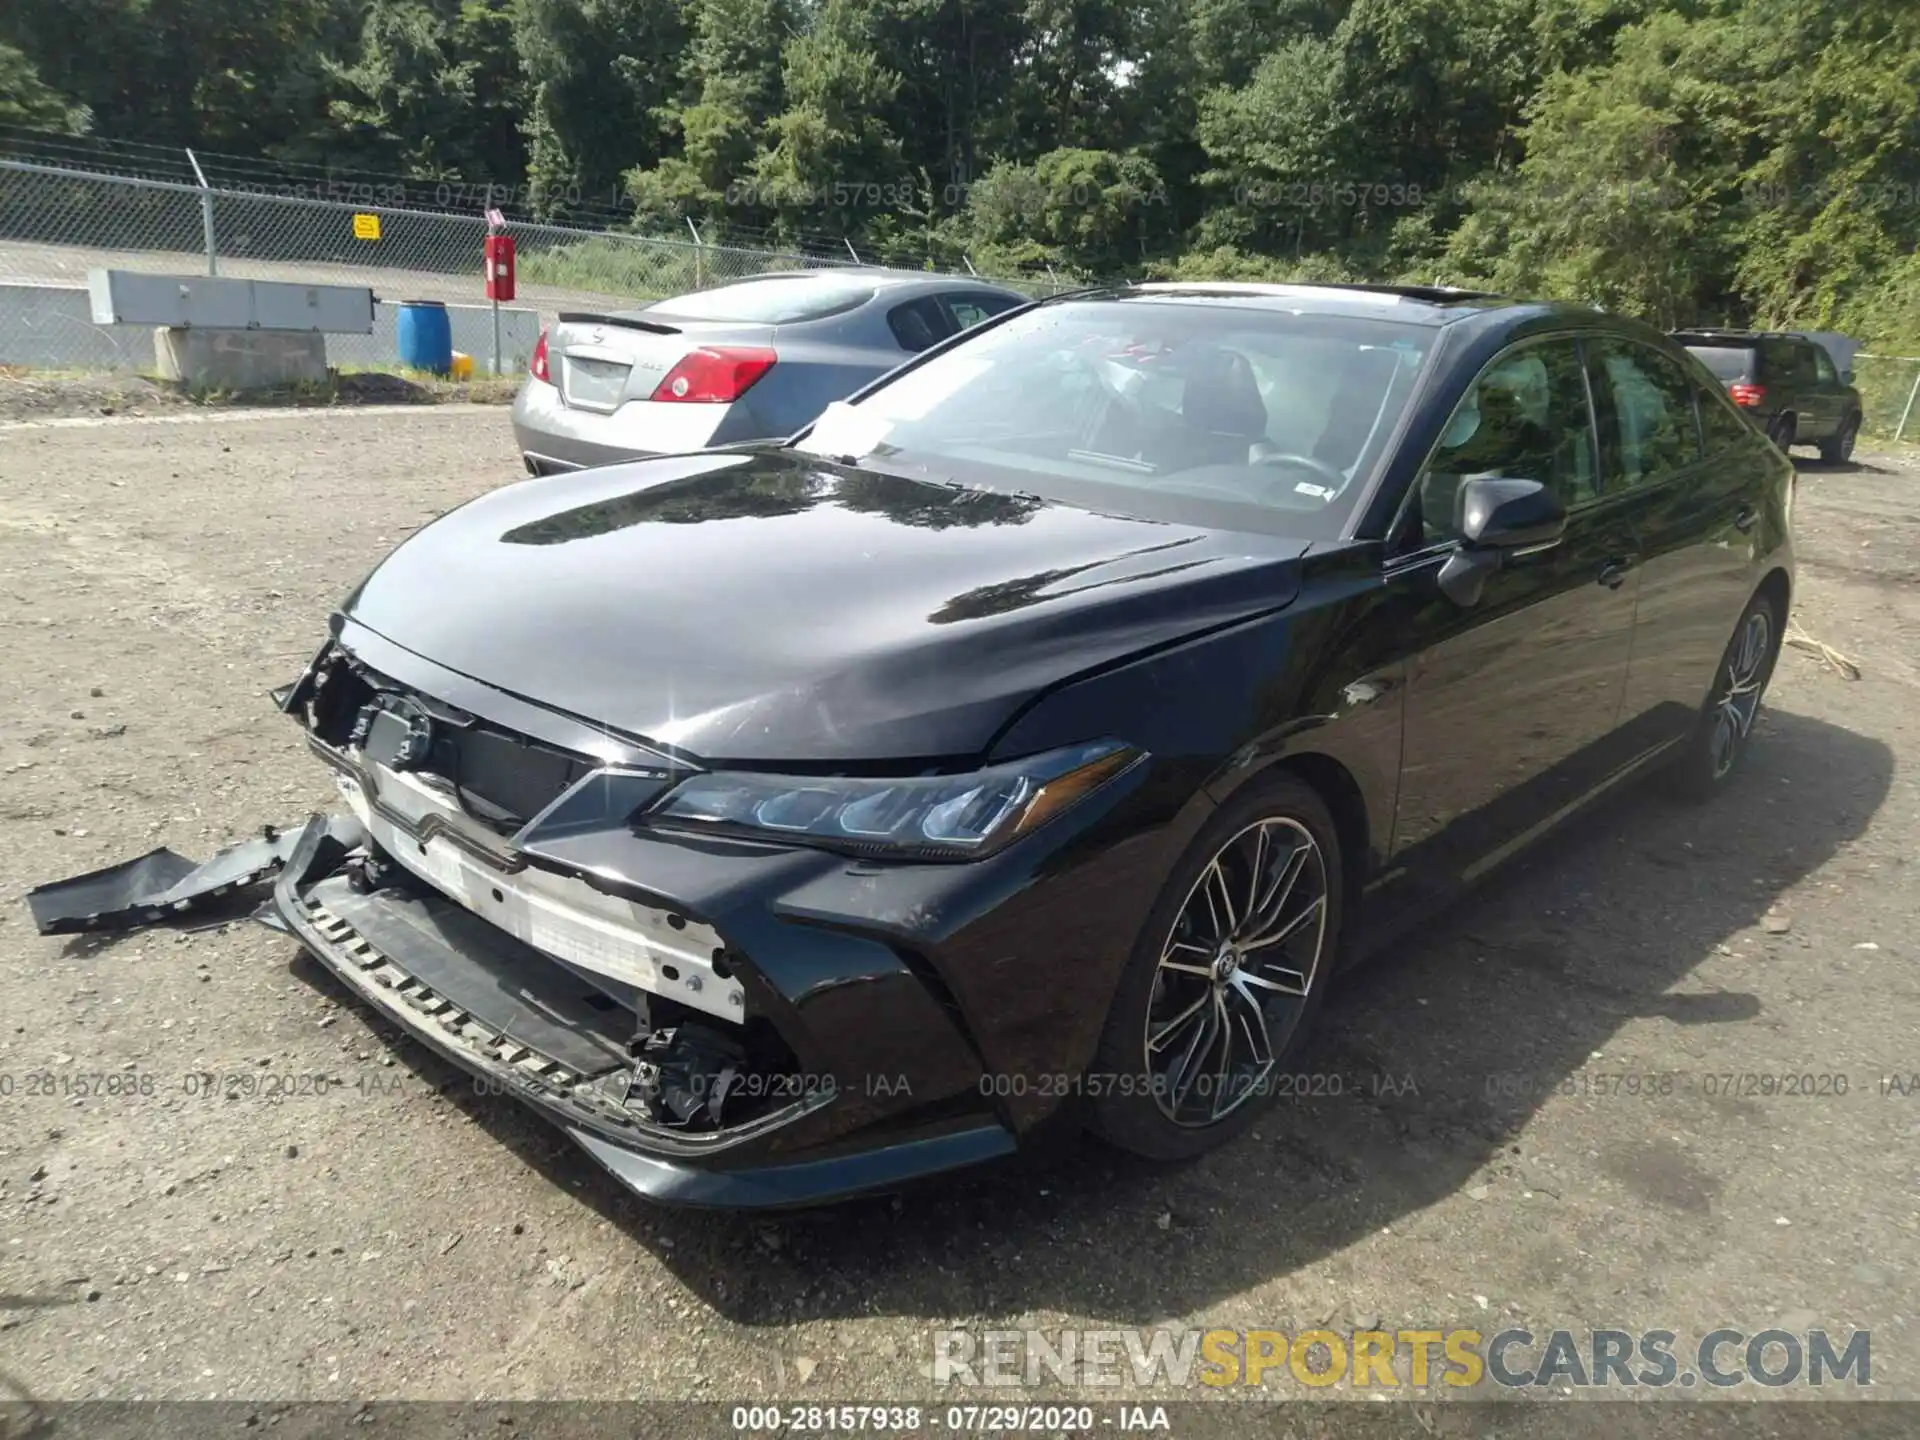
x,y
1858,465
1428,1064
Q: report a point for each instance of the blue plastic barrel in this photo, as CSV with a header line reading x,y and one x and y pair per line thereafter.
x,y
424,336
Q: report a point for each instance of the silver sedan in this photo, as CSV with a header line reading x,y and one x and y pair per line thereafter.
x,y
751,360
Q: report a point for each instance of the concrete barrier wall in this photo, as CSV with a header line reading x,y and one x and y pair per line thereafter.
x,y
51,327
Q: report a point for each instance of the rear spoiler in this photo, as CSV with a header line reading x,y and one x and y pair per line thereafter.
x,y
625,322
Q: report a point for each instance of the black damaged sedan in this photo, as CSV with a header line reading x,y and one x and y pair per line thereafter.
x,y
1027,744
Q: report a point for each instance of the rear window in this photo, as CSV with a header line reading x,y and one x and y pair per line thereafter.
x,y
785,301
1727,363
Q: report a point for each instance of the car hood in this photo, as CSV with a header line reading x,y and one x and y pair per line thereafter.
x,y
768,607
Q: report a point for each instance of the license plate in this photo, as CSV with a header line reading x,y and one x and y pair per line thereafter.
x,y
595,384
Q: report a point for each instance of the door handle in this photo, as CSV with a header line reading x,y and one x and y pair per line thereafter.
x,y
1745,518
1613,574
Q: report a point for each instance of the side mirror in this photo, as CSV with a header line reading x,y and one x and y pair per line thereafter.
x,y
1497,519
1508,514
1846,377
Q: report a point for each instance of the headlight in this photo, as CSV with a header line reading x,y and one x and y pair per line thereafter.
x,y
933,817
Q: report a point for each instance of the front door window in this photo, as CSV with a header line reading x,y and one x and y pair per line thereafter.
x,y
1526,417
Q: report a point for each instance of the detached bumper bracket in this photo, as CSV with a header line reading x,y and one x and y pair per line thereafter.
x,y
162,885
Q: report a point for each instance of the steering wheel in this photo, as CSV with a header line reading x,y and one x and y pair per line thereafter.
x,y
1307,462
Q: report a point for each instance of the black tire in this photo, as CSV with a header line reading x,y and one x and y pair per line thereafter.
x,y
1720,734
1131,1096
1783,430
1839,449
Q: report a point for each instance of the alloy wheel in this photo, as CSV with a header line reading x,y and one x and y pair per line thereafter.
x,y
1236,971
1739,701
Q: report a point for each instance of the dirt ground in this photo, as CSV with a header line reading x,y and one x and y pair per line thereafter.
x,y
400,1237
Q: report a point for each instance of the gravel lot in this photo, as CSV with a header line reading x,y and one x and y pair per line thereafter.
x,y
400,1237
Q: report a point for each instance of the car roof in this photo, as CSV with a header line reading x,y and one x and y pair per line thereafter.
x,y
1736,337
1433,305
879,276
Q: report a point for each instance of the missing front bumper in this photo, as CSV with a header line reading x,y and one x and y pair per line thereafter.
x,y
524,1025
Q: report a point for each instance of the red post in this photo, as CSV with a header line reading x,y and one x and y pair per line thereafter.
x,y
499,255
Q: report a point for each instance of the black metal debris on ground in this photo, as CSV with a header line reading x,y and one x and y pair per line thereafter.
x,y
161,885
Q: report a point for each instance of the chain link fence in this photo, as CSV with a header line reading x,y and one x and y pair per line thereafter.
x,y
1889,388
56,224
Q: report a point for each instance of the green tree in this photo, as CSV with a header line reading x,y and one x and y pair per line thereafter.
x,y
1755,163
732,92
1084,209
833,155
1829,208
26,101
222,74
599,73
435,89
1341,133
1071,73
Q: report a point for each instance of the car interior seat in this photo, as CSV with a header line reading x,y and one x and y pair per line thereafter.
x,y
1350,421
1222,409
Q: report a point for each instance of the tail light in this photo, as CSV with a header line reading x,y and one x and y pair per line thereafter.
x,y
715,374
538,365
1748,396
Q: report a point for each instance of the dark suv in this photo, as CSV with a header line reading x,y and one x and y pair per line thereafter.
x,y
1785,383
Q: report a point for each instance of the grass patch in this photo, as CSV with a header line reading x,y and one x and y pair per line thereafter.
x,y
1885,385
632,269
370,385
28,395
639,268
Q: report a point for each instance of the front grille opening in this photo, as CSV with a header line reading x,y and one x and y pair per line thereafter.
x,y
501,779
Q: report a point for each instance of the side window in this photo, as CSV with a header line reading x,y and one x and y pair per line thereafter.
x,y
971,307
1720,424
1527,418
919,323
1823,366
1654,432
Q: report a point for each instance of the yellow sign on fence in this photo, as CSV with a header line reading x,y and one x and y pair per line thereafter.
x,y
366,227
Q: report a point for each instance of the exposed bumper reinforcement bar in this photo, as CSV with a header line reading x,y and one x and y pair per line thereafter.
x,y
451,982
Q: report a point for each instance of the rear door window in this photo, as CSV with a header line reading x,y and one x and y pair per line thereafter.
x,y
916,324
1780,361
970,307
1654,432
1728,362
